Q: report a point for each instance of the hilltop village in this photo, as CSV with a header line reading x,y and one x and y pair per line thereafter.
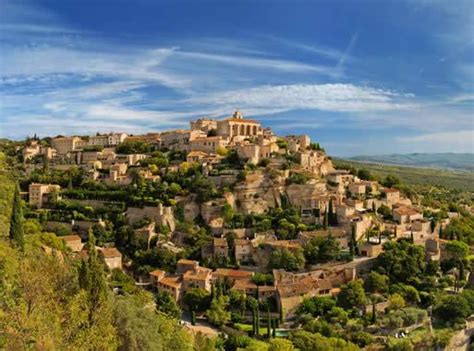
x,y
262,227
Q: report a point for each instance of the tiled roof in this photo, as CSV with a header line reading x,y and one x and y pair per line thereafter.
x,y
109,252
234,273
173,281
220,242
200,273
71,238
406,211
157,272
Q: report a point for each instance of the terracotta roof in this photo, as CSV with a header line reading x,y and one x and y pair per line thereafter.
x,y
157,272
184,261
109,252
390,190
406,211
244,284
242,242
173,281
200,273
208,138
220,242
291,244
71,238
198,153
234,273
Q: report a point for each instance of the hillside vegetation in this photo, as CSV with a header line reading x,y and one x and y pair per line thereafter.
x,y
412,175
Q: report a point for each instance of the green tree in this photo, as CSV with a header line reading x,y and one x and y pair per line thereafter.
x,y
376,283
217,312
166,303
352,295
16,221
140,328
281,345
286,259
453,308
196,299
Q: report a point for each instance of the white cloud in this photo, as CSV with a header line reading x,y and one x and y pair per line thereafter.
x,y
450,141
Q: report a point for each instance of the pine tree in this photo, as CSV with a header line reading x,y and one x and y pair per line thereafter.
x,y
16,223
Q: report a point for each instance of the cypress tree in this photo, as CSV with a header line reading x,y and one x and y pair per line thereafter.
x,y
92,278
16,223
268,322
254,324
257,321
326,220
331,213
374,315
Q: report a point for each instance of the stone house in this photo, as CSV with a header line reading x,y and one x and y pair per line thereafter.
x,y
243,250
179,139
370,249
298,142
73,242
357,189
391,196
63,145
404,214
204,124
207,144
163,282
37,192
112,257
220,247
200,277
231,275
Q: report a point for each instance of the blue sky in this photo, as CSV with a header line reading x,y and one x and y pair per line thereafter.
x,y
360,77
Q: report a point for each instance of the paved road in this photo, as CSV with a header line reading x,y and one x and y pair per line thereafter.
x,y
201,326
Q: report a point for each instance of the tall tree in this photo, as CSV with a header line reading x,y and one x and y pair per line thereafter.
x,y
16,223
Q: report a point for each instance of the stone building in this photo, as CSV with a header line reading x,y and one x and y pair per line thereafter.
x,y
204,124
73,242
112,257
36,193
237,126
208,144
63,145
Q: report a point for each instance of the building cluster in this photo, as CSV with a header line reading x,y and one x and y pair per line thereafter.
x,y
353,211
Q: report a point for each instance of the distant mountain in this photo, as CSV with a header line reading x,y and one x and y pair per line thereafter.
x,y
454,161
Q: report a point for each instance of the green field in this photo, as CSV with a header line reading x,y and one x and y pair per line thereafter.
x,y
410,175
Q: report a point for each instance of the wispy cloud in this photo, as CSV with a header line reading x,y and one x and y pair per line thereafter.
x,y
347,51
325,97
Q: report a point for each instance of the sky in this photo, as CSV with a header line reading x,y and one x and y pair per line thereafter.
x,y
359,77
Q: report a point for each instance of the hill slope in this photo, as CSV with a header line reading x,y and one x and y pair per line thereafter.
x,y
412,175
455,161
